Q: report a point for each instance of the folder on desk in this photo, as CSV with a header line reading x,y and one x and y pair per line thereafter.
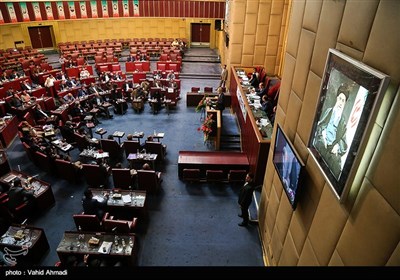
x,y
105,247
126,198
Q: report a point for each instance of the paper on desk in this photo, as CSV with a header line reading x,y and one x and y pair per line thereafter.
x,y
98,198
105,247
126,198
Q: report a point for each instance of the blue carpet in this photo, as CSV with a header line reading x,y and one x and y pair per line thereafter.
x,y
189,224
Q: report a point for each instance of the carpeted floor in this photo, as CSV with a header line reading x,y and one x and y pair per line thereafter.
x,y
189,224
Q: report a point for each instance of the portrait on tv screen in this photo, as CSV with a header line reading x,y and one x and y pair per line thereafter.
x,y
288,165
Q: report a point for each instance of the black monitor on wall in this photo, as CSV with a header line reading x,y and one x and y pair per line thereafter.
x,y
288,165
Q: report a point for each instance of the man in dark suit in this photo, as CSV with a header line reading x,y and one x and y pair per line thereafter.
x,y
18,195
245,199
221,99
92,206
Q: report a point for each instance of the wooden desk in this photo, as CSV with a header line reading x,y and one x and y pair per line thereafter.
x,y
8,131
61,112
31,246
137,207
70,245
193,98
254,144
140,158
42,191
211,161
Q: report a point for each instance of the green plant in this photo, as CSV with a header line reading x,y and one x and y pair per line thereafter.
x,y
202,104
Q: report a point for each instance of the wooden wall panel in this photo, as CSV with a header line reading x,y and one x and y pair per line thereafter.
x,y
153,8
207,13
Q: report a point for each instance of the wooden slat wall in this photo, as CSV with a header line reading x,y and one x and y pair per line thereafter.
x,y
154,8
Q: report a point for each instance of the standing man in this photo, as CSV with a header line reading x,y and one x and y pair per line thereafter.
x,y
245,199
224,76
221,99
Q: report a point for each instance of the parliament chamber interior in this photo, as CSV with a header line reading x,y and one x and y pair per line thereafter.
x,y
128,127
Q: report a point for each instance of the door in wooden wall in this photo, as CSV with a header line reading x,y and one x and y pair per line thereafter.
x,y
200,34
41,37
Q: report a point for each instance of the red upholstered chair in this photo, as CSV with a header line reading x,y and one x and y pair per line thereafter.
x,y
163,57
161,66
174,67
123,178
29,118
195,89
66,170
103,68
139,67
29,152
49,103
191,175
85,222
208,89
80,61
173,56
149,180
94,175
115,68
98,59
215,176
112,147
80,141
129,67
235,176
43,161
131,147
4,211
155,148
110,224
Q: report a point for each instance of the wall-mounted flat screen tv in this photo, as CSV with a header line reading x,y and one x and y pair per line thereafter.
x,y
288,165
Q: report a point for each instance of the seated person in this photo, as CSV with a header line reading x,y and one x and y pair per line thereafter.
x,y
41,114
146,166
63,86
267,105
15,100
18,195
67,131
156,103
95,89
78,111
26,98
25,85
84,74
171,75
128,88
131,58
151,139
73,83
33,132
90,141
97,103
91,206
132,171
83,91
61,76
69,98
261,91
